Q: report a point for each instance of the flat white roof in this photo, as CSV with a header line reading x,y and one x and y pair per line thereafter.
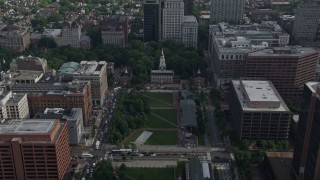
x,y
28,126
258,96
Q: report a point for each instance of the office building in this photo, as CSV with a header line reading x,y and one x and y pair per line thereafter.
x,y
29,63
13,105
151,20
172,17
231,11
114,30
70,36
258,111
288,68
34,149
73,117
306,22
76,94
306,156
162,75
190,31
96,72
14,38
229,43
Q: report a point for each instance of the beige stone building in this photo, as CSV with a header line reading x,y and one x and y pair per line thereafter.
x,y
13,105
14,38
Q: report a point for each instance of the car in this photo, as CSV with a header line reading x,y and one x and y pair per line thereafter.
x,y
88,171
91,175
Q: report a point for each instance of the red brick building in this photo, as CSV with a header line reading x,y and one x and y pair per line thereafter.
x,y
34,149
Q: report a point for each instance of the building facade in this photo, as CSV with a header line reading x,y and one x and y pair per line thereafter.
x,y
13,105
114,30
287,68
306,156
29,63
73,117
172,19
258,111
75,94
162,75
96,72
306,22
14,38
151,20
34,149
231,11
70,36
190,31
229,43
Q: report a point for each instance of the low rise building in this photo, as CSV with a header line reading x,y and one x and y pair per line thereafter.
x,y
70,36
29,63
13,105
114,30
73,117
258,111
162,75
76,94
34,149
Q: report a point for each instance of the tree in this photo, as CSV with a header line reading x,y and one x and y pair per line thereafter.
x,y
47,43
103,171
95,35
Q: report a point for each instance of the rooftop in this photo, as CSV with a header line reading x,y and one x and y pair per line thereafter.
x,y
90,68
284,51
188,108
280,163
114,23
190,19
258,96
28,126
314,87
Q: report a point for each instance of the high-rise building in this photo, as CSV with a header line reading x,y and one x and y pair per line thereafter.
x,y
288,68
114,30
34,149
172,19
306,22
151,20
190,31
306,157
96,72
229,43
231,11
258,111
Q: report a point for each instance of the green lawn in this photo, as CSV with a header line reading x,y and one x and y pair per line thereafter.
x,y
166,97
132,138
150,173
155,122
168,114
162,138
159,99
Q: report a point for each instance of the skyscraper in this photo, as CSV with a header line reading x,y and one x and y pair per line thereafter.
x,y
306,157
231,11
306,22
173,14
152,20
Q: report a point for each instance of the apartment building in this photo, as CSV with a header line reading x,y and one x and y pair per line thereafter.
x,y
190,31
96,72
306,156
13,105
229,43
172,19
34,149
231,11
76,94
73,117
114,30
288,68
258,111
151,20
14,38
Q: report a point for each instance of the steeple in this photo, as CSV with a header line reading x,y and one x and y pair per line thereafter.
x,y
162,64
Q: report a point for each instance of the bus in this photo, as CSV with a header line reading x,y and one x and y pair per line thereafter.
x,y
87,155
